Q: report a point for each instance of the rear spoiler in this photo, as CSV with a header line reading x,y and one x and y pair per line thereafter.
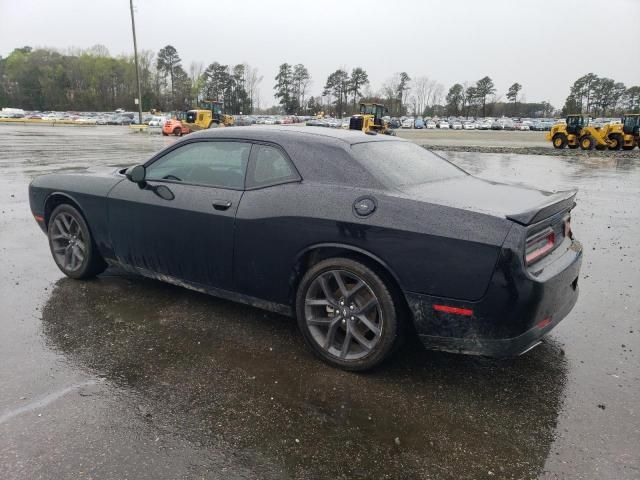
x,y
558,202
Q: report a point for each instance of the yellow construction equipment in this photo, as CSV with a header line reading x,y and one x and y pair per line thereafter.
x,y
627,134
370,119
578,133
208,116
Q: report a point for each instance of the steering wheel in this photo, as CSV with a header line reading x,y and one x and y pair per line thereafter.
x,y
171,177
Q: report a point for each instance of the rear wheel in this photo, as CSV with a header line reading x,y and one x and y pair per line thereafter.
x,y
165,134
177,132
587,142
347,314
615,142
559,140
71,245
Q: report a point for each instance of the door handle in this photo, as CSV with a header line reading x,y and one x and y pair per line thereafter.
x,y
221,204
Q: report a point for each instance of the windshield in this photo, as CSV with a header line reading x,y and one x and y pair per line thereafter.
x,y
402,164
368,109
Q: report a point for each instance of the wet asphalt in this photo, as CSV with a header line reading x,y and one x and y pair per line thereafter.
x,y
127,378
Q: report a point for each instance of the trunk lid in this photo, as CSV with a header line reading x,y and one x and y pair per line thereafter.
x,y
519,203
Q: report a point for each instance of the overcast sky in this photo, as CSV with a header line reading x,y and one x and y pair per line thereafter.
x,y
544,45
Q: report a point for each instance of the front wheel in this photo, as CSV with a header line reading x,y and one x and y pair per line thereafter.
x,y
587,142
347,314
71,245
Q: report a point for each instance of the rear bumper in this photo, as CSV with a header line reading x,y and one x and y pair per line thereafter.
x,y
515,313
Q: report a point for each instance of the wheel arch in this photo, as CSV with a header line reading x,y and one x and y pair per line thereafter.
x,y
58,198
321,251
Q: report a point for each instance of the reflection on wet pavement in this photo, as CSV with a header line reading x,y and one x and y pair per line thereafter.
x,y
222,372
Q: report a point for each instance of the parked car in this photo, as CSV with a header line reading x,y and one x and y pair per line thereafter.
x,y
497,126
394,123
443,124
431,124
157,121
419,123
407,123
469,126
475,266
456,125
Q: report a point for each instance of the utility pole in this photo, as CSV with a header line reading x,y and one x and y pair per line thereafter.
x,y
135,54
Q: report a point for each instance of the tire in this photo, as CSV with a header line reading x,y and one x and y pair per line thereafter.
x,y
71,244
165,134
559,141
177,132
367,331
628,147
616,141
587,142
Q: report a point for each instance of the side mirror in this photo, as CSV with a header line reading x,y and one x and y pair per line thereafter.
x,y
136,174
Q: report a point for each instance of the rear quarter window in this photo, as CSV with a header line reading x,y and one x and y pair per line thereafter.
x,y
397,164
270,166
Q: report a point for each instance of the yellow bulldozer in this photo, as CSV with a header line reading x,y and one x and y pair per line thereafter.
x,y
370,119
578,133
210,115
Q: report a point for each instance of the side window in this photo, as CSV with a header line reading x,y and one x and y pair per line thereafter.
x,y
216,164
269,167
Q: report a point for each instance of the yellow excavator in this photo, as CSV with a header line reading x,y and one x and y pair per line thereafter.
x,y
578,133
370,119
210,115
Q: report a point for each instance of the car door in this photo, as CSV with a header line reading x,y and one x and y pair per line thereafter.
x,y
180,221
265,245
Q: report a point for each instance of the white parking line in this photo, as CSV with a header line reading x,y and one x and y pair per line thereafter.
x,y
42,402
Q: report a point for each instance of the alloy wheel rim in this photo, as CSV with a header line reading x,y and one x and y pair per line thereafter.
x,y
67,241
343,315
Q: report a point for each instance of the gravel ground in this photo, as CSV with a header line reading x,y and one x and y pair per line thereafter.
x,y
496,141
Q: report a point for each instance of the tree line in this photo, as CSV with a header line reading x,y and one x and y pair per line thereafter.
x,y
601,96
92,79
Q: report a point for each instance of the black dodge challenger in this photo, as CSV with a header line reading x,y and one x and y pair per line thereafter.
x,y
362,238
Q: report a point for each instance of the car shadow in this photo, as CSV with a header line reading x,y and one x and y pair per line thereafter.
x,y
218,373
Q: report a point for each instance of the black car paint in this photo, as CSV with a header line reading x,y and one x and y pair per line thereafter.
x,y
447,242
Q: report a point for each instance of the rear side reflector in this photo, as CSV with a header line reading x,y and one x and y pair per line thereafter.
x,y
543,323
39,218
467,312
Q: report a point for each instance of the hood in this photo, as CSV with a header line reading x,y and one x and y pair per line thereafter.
x,y
519,203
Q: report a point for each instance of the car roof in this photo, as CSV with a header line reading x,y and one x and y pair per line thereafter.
x,y
292,134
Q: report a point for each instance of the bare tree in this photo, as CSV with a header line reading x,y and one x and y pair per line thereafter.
x,y
252,85
196,69
421,89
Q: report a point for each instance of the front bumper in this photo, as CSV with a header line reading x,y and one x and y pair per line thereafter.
x,y
517,310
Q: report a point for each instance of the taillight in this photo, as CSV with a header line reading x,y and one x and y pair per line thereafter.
x,y
539,245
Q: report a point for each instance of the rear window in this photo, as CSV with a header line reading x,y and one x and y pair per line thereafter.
x,y
399,164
